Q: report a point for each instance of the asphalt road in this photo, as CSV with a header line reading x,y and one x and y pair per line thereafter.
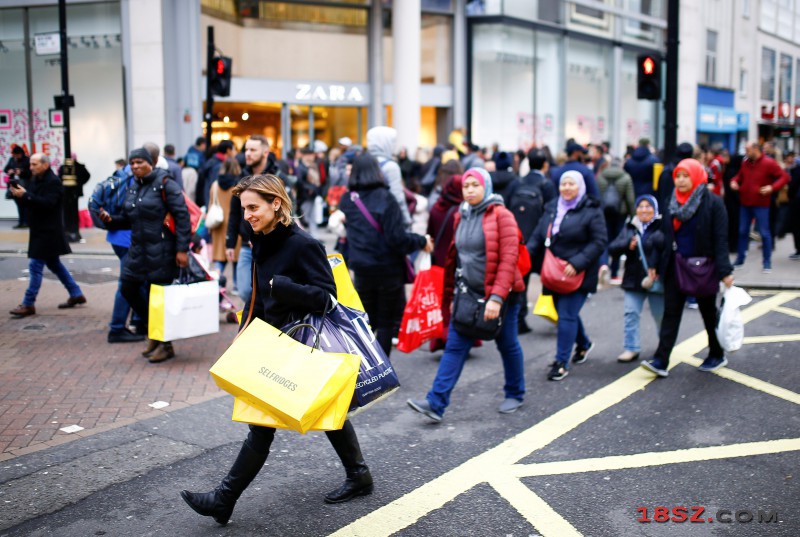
x,y
590,455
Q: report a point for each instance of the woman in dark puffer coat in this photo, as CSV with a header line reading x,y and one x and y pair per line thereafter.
x,y
578,236
155,254
645,227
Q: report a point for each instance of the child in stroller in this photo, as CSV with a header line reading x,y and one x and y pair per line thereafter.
x,y
200,272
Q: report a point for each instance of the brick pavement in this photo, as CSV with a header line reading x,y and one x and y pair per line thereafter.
x,y
56,369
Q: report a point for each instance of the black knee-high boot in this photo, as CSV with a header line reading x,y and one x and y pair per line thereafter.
x,y
359,480
219,503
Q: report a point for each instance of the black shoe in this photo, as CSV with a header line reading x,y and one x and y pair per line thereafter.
x,y
581,355
213,504
557,371
656,366
123,336
354,485
72,302
523,328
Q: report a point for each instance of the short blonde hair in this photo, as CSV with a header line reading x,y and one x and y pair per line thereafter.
x,y
269,188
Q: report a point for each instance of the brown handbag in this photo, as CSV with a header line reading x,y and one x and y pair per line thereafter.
x,y
552,275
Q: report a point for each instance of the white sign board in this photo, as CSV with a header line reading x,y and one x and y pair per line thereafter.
x,y
48,43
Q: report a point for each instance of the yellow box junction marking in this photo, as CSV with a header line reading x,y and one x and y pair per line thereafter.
x,y
498,466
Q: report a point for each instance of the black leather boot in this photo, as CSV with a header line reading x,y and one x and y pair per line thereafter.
x,y
219,503
359,480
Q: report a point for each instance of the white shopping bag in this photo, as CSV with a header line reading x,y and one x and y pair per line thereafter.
x,y
730,327
183,311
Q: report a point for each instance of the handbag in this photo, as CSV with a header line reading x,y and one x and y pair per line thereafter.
x,y
215,215
697,276
409,266
422,316
656,286
468,314
195,213
183,310
552,274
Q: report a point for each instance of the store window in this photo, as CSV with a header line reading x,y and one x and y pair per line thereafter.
x,y
785,80
588,91
785,19
711,57
769,16
503,86
767,74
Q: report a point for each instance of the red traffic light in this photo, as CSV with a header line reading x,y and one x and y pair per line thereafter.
x,y
220,66
648,66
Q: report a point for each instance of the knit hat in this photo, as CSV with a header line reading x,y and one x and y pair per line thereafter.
x,y
320,146
649,199
142,153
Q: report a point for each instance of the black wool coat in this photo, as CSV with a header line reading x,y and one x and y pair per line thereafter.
x,y
153,247
43,199
580,240
301,278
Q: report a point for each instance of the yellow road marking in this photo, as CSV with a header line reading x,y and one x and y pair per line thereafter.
x,y
752,382
494,466
656,458
788,311
780,338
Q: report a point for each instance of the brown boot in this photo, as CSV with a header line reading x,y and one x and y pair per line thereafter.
x,y
23,311
152,345
72,302
163,352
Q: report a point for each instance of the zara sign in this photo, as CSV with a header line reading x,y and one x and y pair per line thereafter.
x,y
332,93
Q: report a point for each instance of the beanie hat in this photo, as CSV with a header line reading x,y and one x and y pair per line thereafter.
x,y
142,153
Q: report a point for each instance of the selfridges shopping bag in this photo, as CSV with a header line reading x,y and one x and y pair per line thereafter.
x,y
422,317
181,311
347,330
285,378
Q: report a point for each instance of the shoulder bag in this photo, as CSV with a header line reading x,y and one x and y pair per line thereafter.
x,y
651,286
697,276
468,310
215,215
552,274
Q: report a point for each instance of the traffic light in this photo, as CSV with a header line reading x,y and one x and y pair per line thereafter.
x,y
221,75
648,77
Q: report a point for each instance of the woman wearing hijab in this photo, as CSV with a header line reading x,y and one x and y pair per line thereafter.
x,y
698,228
576,228
483,257
642,233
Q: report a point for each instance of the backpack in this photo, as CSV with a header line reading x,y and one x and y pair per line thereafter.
x,y
527,206
611,199
109,194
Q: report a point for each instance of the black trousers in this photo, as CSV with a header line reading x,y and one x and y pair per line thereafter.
x,y
794,222
137,293
674,301
384,299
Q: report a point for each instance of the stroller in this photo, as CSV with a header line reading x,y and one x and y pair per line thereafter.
x,y
199,272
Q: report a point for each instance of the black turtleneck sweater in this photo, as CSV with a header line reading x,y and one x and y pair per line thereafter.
x,y
297,265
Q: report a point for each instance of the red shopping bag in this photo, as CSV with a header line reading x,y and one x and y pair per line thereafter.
x,y
422,318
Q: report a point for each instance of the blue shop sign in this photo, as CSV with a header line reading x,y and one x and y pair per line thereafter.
x,y
743,123
716,119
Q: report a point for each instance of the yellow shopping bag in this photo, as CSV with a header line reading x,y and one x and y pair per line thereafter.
x,y
345,291
545,307
332,419
293,382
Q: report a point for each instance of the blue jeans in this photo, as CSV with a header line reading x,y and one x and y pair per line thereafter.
x,y
36,269
634,302
121,308
457,350
244,274
746,215
570,326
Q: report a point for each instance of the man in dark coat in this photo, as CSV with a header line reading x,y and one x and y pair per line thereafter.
x,y
18,168
640,168
46,241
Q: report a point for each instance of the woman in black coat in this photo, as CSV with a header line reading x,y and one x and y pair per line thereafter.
x,y
696,227
377,257
155,253
292,279
645,228
576,229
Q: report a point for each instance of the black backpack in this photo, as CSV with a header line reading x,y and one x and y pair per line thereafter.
x,y
527,204
611,199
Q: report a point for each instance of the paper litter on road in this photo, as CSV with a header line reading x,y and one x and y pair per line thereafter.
x,y
71,429
158,404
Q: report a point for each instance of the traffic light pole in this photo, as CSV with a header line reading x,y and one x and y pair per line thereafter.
x,y
209,115
671,102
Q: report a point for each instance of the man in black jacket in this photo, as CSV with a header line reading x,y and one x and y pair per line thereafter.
x,y
46,241
18,169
